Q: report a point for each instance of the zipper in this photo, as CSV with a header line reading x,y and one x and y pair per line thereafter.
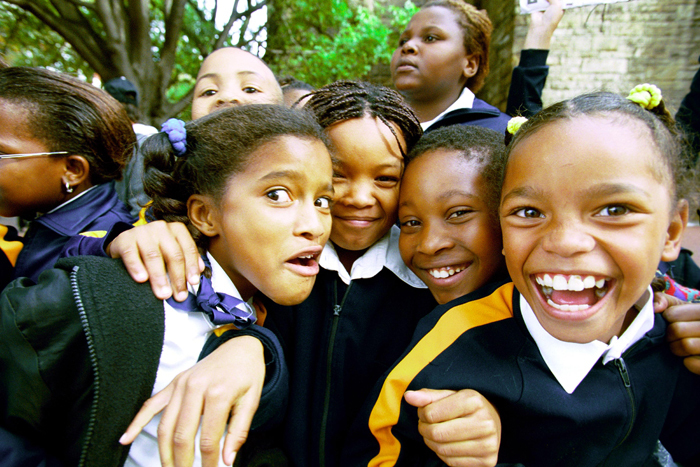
x,y
93,363
622,369
337,308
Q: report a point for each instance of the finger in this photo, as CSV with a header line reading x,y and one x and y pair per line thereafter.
x,y
214,420
693,364
683,312
451,406
239,425
126,248
424,397
149,410
168,425
194,265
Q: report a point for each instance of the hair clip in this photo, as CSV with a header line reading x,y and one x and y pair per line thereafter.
x,y
514,124
175,129
647,95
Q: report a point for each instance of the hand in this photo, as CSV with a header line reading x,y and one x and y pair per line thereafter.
x,y
162,252
223,387
683,333
542,26
462,428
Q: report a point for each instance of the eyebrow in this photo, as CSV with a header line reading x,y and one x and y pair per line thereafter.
x,y
239,73
599,190
293,175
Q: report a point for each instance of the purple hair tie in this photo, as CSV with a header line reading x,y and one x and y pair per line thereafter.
x,y
175,129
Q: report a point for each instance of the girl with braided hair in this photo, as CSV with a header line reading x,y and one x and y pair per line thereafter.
x,y
86,346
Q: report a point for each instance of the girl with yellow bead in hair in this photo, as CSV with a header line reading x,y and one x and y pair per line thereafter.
x,y
570,352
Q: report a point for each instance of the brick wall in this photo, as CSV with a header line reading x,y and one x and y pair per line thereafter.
x,y
606,47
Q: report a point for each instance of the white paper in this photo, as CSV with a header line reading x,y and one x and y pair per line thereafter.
x,y
528,6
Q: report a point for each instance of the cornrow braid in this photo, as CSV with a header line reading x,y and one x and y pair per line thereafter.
x,y
345,100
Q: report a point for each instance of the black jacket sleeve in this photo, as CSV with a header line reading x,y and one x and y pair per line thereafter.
x,y
527,83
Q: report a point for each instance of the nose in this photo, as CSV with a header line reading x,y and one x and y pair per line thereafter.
x,y
311,222
433,238
568,239
228,98
408,47
358,194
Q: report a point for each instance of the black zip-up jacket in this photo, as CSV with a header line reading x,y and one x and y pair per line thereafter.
x,y
338,343
79,353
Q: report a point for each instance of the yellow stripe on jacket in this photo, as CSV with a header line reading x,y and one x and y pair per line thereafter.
x,y
10,248
446,331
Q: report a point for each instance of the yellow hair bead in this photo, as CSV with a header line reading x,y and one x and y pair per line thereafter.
x,y
515,123
647,95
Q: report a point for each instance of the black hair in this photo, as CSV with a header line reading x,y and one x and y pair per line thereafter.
x,y
658,121
218,146
70,115
478,144
289,83
345,100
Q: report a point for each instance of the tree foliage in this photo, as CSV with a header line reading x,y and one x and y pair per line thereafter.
x,y
160,44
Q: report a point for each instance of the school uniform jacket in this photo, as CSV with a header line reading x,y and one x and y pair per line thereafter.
x,y
338,343
57,234
614,417
79,353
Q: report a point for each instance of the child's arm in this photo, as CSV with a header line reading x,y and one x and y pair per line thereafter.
x,y
162,252
461,427
529,77
224,387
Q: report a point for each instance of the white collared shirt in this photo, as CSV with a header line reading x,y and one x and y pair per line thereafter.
x,y
186,332
464,101
384,253
571,362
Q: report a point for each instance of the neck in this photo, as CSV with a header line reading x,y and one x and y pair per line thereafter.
x,y
429,107
348,257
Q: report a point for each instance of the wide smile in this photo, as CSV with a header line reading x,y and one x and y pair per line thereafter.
x,y
356,221
447,275
573,296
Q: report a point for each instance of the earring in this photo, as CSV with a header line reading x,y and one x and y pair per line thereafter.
x,y
69,189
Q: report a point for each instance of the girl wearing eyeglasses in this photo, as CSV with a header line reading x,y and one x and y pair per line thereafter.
x,y
62,143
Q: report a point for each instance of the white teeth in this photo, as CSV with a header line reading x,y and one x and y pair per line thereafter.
x,y
306,257
559,282
567,307
575,283
444,273
600,293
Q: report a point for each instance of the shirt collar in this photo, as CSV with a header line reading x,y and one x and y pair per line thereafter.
x,y
464,101
384,253
571,362
71,217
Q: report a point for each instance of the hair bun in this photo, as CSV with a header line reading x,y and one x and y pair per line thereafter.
x,y
647,95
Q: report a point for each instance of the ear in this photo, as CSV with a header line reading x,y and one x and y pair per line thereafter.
x,y
674,235
204,215
471,65
77,172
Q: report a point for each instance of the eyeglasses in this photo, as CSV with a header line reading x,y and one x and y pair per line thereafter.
x,y
34,154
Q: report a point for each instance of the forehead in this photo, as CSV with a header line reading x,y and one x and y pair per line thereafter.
x,y
14,123
588,149
233,62
435,16
367,141
447,170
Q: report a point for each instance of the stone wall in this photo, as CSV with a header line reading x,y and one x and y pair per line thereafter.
x,y
604,47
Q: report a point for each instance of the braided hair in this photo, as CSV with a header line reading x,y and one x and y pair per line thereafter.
x,y
345,100
217,146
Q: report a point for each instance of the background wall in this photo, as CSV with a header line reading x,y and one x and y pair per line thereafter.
x,y
604,47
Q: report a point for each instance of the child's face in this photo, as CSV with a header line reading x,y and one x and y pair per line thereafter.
x,y
366,177
27,185
231,76
431,60
449,237
589,198
275,218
